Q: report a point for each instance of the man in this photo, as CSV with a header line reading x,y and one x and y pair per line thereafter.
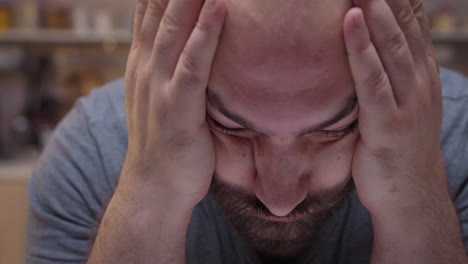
x,y
312,125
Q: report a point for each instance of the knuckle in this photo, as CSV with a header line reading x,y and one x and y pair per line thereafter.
x,y
169,25
376,82
156,7
141,6
190,68
418,8
396,44
405,16
162,46
167,30
202,28
190,63
363,47
421,16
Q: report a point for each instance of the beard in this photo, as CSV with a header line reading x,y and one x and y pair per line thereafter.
x,y
281,240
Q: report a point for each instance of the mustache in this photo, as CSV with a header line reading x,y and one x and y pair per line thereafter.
x,y
239,199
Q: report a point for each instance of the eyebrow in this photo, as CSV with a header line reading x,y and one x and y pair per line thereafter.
x,y
215,100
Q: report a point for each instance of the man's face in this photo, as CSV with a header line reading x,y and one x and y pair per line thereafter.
x,y
282,109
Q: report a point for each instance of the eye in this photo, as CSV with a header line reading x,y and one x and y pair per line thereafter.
x,y
226,130
340,133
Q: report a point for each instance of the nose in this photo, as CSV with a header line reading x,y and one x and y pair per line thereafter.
x,y
281,182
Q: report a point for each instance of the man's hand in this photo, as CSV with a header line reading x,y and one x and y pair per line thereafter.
x,y
398,166
170,159
170,147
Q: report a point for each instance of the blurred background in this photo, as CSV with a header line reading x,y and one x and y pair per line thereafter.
x,y
54,51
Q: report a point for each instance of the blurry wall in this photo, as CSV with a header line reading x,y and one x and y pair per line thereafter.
x,y
54,51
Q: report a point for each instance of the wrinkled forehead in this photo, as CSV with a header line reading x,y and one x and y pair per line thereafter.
x,y
281,25
283,55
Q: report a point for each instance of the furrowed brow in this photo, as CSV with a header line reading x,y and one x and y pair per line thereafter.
x,y
340,115
214,99
216,102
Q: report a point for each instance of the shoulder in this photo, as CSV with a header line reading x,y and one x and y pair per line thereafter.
x,y
454,85
106,103
104,112
455,107
75,177
454,138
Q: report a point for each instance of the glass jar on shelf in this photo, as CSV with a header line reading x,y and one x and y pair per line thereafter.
x,y
56,14
445,18
5,15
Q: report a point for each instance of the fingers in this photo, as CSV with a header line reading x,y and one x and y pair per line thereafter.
x,y
193,69
173,33
421,16
154,12
432,63
423,20
392,47
138,19
375,96
404,14
133,56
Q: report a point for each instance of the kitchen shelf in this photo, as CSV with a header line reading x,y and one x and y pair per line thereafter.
x,y
63,37
456,37
15,171
123,37
19,169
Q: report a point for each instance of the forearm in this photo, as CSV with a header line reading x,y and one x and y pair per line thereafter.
x,y
422,235
142,228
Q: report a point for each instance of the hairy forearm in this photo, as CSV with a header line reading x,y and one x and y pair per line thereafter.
x,y
139,228
425,235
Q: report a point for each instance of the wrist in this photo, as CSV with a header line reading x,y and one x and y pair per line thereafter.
x,y
151,196
413,216
143,210
149,187
151,225
425,234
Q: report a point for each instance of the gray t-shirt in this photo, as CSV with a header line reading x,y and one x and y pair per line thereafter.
x,y
78,171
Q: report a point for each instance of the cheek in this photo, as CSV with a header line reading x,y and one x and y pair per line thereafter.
x,y
333,162
234,160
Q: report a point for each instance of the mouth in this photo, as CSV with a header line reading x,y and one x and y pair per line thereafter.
x,y
284,219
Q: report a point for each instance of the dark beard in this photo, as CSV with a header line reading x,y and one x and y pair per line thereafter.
x,y
278,239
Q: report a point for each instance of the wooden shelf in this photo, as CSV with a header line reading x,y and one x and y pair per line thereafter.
x,y
123,37
456,37
20,168
14,172
63,37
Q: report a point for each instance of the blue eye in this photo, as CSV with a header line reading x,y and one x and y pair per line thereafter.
x,y
340,133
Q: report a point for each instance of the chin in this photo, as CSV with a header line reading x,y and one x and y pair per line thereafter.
x,y
278,239
281,249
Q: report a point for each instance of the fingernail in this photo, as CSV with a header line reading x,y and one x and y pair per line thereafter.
x,y
359,21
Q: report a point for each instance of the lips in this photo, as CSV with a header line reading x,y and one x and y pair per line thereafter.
x,y
285,219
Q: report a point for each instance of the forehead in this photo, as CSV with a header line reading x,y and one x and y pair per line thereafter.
x,y
280,64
